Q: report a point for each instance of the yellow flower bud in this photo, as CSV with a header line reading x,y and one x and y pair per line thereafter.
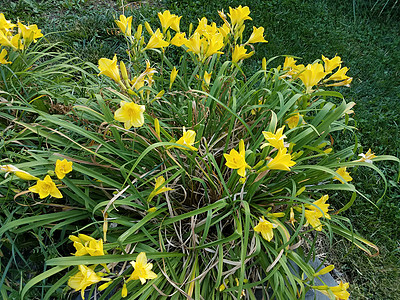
x,y
138,33
148,28
124,72
157,127
324,270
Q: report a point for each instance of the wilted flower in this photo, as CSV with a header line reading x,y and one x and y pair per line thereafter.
x,y
188,138
125,24
367,157
239,53
265,228
237,160
342,172
17,172
142,269
131,114
282,161
45,188
274,140
63,168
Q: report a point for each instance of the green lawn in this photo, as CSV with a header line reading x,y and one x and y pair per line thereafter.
x,y
368,43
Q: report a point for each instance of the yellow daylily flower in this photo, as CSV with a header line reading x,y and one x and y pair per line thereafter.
x,y
289,63
265,228
45,188
239,15
275,140
257,36
282,161
293,121
159,188
85,244
215,43
84,278
342,172
3,55
340,291
30,33
179,39
367,157
63,168
142,269
317,210
331,64
17,172
188,138
137,82
174,73
194,44
13,42
224,30
131,114
237,160
156,41
125,25
175,23
339,75
109,68
311,75
239,53
5,25
168,20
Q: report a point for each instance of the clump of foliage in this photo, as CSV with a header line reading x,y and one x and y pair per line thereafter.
x,y
223,180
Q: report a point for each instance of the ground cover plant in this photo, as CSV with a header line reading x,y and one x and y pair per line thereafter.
x,y
188,128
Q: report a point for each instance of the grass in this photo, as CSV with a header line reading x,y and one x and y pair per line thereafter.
x,y
368,43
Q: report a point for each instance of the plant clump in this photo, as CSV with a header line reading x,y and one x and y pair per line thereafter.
x,y
218,178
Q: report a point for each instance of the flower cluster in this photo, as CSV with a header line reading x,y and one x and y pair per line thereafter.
x,y
87,276
314,74
20,38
